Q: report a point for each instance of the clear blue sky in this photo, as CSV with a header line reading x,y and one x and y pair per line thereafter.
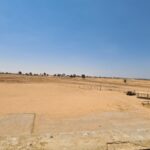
x,y
95,37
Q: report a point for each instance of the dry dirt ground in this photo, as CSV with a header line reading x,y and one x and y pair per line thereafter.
x,y
61,113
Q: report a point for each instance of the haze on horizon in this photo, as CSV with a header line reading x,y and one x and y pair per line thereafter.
x,y
94,37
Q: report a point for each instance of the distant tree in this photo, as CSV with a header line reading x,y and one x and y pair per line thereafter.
x,y
63,75
30,73
20,73
74,75
83,76
44,74
71,76
58,75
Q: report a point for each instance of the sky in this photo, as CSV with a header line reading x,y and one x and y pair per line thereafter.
x,y
93,37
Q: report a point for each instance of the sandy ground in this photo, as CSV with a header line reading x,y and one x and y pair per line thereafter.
x,y
60,100
74,108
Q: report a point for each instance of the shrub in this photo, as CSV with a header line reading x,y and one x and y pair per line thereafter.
x,y
125,81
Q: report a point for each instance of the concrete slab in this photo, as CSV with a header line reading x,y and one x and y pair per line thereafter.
x,y
124,146
66,142
116,130
106,131
16,124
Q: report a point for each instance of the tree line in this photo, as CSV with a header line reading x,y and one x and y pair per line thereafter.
x,y
71,75
46,74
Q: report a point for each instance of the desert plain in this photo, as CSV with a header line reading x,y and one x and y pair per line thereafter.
x,y
52,113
